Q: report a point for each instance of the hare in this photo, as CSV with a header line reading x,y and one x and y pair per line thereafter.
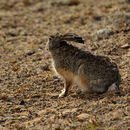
x,y
92,73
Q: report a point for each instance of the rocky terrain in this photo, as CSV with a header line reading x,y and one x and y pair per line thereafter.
x,y
28,86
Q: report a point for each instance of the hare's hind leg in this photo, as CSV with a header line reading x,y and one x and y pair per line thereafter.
x,y
67,86
82,84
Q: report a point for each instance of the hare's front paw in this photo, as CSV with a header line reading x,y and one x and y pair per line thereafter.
x,y
63,93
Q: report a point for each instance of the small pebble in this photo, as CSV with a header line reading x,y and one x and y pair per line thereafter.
x,y
22,102
12,32
69,2
97,18
30,53
83,116
45,68
104,32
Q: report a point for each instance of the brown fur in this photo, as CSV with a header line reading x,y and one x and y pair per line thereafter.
x,y
68,75
93,73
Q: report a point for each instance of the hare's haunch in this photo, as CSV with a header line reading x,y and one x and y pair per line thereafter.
x,y
92,73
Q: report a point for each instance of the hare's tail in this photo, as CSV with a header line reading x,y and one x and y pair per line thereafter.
x,y
113,87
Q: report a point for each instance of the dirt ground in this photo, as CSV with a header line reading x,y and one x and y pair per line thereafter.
x,y
29,88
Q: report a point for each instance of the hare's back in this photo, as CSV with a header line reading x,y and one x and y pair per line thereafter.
x,y
98,67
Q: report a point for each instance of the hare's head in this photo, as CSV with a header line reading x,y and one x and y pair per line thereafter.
x,y
55,41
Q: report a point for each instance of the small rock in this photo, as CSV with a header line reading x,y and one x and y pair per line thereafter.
x,y
31,122
26,2
13,60
97,18
22,117
69,2
68,111
83,116
22,102
24,114
117,115
82,21
52,117
41,9
1,81
127,112
56,127
126,46
56,81
30,53
12,32
104,32
42,112
55,77
45,67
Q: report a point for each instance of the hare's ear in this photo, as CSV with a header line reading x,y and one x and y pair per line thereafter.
x,y
73,37
52,36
